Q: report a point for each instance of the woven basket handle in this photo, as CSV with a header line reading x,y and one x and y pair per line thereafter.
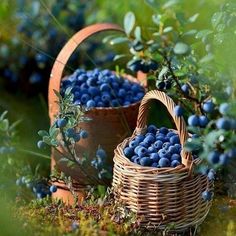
x,y
64,55
179,121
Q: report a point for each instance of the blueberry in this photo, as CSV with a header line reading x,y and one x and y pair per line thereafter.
x,y
154,157
19,182
206,195
203,121
121,93
70,133
126,103
174,139
203,170
139,138
171,133
134,66
213,157
168,85
100,104
91,81
137,160
133,143
164,154
84,98
136,149
155,164
152,149
193,120
83,134
105,87
41,195
152,129
144,144
101,153
232,153
153,65
93,91
175,163
224,108
160,85
208,107
142,151
133,158
106,97
223,123
185,88
53,188
178,110
178,146
211,175
224,159
158,144
145,161
163,130
90,104
164,162
97,99
175,157
115,103
166,145
172,149
129,152
149,139
41,144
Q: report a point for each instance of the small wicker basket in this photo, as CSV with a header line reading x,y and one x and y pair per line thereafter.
x,y
161,196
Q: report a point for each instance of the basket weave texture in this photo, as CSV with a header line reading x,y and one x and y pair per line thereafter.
x,y
109,126
161,196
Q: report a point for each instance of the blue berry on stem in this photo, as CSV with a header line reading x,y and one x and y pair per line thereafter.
x,y
193,120
203,121
41,144
178,110
224,159
213,157
224,108
53,188
185,88
223,123
101,153
61,123
208,107
206,195
83,134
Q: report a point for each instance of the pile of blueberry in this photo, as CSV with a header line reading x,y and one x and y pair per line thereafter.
x,y
40,189
157,148
102,88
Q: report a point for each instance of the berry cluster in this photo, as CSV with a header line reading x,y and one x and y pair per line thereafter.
x,y
157,148
40,189
102,88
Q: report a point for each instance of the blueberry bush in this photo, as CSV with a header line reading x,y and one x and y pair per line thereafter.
x,y
185,64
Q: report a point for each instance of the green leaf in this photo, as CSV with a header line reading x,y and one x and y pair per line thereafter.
x,y
137,33
4,125
215,20
207,58
190,32
193,145
163,71
3,115
170,3
129,22
108,38
54,143
193,18
181,48
168,29
212,137
57,93
157,19
68,91
43,133
118,40
203,33
153,4
117,57
47,140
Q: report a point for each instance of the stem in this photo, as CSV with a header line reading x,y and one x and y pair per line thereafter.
x,y
34,153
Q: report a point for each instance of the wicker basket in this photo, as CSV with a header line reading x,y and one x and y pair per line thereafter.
x,y
161,196
109,125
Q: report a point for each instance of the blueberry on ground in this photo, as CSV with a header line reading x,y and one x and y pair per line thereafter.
x,y
213,157
53,188
129,152
164,162
178,110
193,120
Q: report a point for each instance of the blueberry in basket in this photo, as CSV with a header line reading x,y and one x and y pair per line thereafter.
x,y
157,148
102,88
